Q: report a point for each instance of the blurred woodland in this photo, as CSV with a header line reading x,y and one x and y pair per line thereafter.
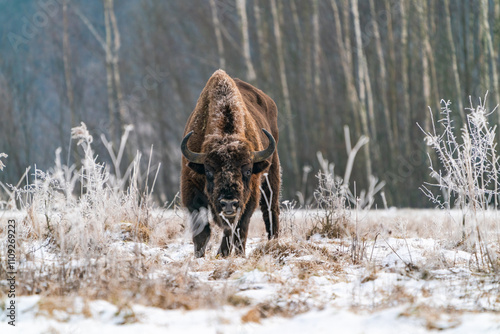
x,y
373,65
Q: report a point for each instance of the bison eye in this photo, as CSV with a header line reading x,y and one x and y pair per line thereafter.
x,y
246,170
209,173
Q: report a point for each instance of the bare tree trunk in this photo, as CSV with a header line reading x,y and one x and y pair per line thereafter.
x,y
296,22
428,28
349,63
242,12
111,46
286,94
491,52
66,61
317,50
466,47
218,34
362,89
109,72
496,16
383,77
496,13
426,82
476,39
67,75
392,72
404,74
435,94
304,61
454,63
495,28
116,68
346,20
346,62
369,103
262,36
112,69
317,65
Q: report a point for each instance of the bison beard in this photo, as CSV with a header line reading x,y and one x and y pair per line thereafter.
x,y
229,143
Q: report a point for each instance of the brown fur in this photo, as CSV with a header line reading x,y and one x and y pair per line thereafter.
x,y
227,122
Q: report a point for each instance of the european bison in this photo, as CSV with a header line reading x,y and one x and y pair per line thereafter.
x,y
229,146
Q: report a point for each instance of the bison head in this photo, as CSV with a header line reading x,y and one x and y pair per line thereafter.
x,y
229,165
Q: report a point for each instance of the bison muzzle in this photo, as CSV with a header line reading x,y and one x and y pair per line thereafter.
x,y
229,149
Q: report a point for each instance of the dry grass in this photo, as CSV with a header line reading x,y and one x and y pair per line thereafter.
x,y
132,274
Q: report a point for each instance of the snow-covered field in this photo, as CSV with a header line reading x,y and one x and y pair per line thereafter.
x,y
402,271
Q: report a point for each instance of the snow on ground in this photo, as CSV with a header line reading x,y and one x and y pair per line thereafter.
x,y
404,284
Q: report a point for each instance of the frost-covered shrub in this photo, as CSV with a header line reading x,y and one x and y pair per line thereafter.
x,y
332,217
467,175
79,209
469,163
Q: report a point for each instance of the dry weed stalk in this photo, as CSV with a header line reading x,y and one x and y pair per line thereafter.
x,y
2,155
334,199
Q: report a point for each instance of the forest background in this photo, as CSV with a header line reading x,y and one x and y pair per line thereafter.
x,y
375,66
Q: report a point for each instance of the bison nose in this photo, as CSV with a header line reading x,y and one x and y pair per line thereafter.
x,y
229,206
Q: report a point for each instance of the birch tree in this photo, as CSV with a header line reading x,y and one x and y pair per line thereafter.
x,y
317,48
363,79
426,81
292,149
261,25
242,12
454,63
114,44
391,70
218,34
490,50
111,46
66,62
317,70
404,73
383,76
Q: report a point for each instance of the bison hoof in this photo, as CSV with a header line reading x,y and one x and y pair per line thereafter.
x,y
239,252
198,254
223,253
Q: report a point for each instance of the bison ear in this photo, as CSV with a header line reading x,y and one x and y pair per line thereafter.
x,y
260,166
198,168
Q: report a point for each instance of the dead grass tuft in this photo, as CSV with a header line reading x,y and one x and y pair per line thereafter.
x,y
436,319
237,300
331,227
253,315
50,305
286,309
278,249
222,271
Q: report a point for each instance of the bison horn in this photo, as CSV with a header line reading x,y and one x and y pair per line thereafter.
x,y
264,154
198,158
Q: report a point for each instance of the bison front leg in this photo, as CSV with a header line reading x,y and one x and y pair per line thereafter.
x,y
240,234
269,199
226,246
197,204
236,239
236,236
200,229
